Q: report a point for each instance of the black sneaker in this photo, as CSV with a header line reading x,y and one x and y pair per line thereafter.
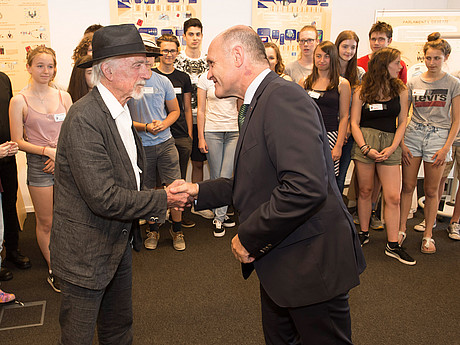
x,y
53,282
400,254
230,211
363,237
228,222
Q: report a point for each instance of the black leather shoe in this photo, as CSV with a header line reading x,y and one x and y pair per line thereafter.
x,y
21,261
5,274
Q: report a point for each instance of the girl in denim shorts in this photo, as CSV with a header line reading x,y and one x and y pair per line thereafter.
x,y
435,96
378,104
36,116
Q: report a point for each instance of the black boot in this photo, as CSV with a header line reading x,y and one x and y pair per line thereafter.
x,y
21,261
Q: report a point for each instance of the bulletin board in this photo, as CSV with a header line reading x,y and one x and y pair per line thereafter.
x,y
410,32
280,21
24,25
155,17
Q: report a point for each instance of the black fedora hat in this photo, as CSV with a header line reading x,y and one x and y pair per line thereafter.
x,y
117,40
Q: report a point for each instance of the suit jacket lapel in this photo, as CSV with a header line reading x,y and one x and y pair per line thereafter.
x,y
269,77
117,139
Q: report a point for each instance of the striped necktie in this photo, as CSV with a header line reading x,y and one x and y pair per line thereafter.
x,y
242,115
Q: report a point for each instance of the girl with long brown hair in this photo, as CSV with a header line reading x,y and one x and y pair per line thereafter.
x,y
378,104
332,94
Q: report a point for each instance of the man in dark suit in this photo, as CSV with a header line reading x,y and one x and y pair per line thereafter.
x,y
294,228
99,192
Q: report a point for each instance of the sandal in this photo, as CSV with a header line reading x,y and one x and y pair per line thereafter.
x,y
425,247
401,237
6,297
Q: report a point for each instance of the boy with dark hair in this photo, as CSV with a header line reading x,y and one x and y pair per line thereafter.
x,y
193,62
181,130
380,36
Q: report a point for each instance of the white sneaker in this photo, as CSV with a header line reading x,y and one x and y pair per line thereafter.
x,y
420,227
219,230
454,231
151,241
208,214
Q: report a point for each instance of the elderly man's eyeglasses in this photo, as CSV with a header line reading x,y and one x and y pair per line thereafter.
x,y
166,51
307,41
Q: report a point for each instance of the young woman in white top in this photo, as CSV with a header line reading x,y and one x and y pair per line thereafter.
x,y
217,122
435,96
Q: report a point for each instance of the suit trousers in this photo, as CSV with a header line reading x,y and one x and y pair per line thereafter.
x,y
110,308
327,322
9,178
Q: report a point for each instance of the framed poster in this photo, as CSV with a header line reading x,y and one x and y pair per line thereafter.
x,y
280,21
155,17
410,32
24,25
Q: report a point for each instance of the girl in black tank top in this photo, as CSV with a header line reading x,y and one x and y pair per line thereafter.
x,y
332,95
380,100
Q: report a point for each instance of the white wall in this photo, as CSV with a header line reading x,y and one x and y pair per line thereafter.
x,y
69,19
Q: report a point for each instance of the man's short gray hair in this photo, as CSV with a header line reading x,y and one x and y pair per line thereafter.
x,y
97,73
249,40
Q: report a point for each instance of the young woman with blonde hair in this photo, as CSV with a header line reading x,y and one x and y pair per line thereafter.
x,y
36,116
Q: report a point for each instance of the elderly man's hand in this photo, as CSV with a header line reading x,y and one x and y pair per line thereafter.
x,y
178,199
190,188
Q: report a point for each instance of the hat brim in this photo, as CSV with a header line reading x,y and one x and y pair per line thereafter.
x,y
90,63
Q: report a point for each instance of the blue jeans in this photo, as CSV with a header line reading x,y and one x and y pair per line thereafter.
x,y
425,140
221,154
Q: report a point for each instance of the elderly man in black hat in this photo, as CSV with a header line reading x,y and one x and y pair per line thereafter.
x,y
99,193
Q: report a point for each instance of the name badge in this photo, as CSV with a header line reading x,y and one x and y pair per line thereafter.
x,y
418,92
314,94
178,90
148,89
59,117
374,107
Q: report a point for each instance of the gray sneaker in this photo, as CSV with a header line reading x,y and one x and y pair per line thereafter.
x,y
178,239
376,223
454,231
208,214
152,240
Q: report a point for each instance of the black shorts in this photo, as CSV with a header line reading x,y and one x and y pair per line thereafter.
x,y
196,155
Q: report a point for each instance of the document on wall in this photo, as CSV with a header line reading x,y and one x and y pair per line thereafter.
x,y
280,21
24,25
155,17
411,29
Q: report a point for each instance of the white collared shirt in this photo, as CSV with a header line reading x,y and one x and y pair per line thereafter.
x,y
124,123
252,88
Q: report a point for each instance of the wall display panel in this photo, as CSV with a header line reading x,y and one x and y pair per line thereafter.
x,y
24,25
279,21
410,32
155,17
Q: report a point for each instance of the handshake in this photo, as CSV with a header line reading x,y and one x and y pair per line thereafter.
x,y
181,194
